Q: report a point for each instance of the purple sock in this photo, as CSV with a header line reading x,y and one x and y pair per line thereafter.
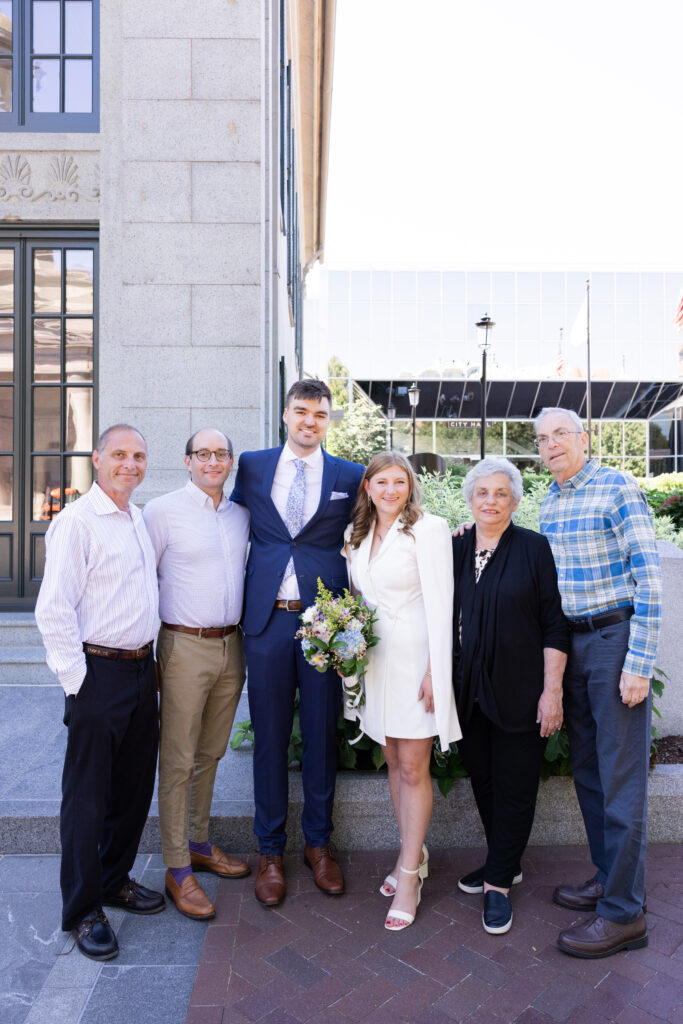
x,y
180,874
203,848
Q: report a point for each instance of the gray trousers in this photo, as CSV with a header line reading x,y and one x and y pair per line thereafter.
x,y
609,747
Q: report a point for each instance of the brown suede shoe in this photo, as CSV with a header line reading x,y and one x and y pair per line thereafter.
x,y
579,897
220,864
599,937
270,885
327,874
189,898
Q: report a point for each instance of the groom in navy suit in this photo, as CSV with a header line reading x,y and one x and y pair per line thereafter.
x,y
300,500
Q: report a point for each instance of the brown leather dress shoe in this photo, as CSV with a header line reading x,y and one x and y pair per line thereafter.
x,y
599,937
579,897
189,898
270,885
220,864
327,874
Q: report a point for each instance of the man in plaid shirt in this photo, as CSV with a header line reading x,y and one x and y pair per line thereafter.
x,y
600,530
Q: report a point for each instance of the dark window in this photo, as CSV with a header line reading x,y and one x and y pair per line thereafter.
x,y
48,395
49,65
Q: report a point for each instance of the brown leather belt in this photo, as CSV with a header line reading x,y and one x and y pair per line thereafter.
x,y
592,622
209,631
118,653
289,606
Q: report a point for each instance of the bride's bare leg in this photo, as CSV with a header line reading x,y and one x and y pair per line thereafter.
x,y
390,751
415,798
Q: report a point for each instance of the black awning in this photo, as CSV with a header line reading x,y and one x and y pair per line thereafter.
x,y
459,399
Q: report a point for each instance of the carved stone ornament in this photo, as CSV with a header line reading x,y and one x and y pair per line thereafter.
x,y
63,175
60,180
15,178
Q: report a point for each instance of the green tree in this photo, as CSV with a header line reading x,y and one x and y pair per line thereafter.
x,y
338,375
363,430
360,435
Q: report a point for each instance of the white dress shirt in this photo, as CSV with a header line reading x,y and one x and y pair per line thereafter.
x,y
200,554
285,472
99,584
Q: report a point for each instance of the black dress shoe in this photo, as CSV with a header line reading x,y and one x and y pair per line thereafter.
x,y
95,937
136,899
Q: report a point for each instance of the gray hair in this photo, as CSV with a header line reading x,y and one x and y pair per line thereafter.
x,y
574,417
488,466
104,437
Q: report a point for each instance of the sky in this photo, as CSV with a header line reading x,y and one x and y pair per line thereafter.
x,y
498,133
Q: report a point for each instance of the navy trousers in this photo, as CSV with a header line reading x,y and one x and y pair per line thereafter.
x,y
609,748
108,780
275,667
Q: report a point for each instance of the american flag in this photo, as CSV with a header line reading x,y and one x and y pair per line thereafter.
x,y
678,319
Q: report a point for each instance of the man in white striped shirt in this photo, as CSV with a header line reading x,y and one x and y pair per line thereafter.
x,y
97,612
200,542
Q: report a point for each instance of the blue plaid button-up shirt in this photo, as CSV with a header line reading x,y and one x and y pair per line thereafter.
x,y
601,534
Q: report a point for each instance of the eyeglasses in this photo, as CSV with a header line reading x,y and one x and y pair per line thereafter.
x,y
557,435
204,455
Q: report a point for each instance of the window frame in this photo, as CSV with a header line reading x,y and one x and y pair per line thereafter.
x,y
21,118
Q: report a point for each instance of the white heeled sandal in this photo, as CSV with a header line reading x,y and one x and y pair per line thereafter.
x,y
388,886
404,918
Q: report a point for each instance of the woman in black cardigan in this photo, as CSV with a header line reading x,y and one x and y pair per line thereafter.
x,y
510,648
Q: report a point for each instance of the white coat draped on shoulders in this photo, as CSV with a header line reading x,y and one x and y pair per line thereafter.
x,y
410,584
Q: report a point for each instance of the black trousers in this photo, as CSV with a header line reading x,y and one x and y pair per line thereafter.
x,y
108,780
504,769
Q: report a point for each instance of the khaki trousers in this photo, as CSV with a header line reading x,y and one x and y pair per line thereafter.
x,y
201,680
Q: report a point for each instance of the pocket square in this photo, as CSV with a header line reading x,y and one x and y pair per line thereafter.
x,y
336,495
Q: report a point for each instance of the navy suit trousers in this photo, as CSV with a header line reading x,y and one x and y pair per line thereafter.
x,y
609,747
275,667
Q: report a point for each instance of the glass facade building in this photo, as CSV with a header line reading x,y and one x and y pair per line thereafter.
x,y
387,326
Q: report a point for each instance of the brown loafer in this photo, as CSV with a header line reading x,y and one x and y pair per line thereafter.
x,y
327,874
579,897
599,937
270,885
220,864
190,898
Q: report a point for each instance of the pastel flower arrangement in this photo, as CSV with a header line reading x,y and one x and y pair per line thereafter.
x,y
337,632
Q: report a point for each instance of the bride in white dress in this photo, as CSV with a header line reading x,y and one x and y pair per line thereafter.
x,y
400,559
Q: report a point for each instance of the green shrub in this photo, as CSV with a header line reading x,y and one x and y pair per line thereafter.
x,y
667,482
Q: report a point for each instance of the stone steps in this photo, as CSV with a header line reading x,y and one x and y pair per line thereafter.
x,y
25,666
22,655
18,629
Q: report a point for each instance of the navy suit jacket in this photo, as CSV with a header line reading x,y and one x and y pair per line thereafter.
x,y
315,550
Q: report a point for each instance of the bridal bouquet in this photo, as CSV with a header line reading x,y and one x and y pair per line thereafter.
x,y
336,632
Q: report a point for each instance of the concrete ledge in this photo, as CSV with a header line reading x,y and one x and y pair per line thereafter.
x,y
32,741
364,817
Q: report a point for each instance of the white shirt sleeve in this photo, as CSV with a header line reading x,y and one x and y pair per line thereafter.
x,y
66,568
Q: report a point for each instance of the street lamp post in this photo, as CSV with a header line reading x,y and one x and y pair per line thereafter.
x,y
484,326
414,398
391,416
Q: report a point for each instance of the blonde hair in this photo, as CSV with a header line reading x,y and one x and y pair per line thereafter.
x,y
364,513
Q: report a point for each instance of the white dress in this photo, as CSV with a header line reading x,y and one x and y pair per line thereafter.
x,y
410,584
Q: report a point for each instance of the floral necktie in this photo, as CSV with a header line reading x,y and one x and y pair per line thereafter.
x,y
294,510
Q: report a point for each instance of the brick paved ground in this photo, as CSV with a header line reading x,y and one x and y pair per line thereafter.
x,y
318,958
